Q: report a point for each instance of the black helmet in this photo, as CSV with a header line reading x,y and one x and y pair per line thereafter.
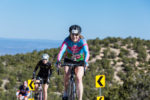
x,y
75,29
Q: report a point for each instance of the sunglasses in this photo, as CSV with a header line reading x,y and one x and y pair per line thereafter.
x,y
44,59
74,34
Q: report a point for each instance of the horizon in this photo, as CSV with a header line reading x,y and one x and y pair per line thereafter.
x,y
14,46
36,39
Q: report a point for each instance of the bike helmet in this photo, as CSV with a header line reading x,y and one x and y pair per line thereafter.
x,y
45,56
75,29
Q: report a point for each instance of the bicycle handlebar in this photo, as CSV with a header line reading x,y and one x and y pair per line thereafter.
x,y
41,81
72,65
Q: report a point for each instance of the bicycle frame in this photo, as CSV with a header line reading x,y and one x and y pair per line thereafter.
x,y
71,86
40,89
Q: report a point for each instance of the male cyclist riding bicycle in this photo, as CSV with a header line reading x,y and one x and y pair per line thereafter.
x,y
44,73
77,52
23,92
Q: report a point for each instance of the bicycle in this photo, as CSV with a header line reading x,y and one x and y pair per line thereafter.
x,y
71,91
39,94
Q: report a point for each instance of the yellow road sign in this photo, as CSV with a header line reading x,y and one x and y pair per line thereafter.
x,y
100,81
31,85
100,98
31,99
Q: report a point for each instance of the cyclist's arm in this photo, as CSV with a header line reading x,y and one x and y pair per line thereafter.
x,y
86,53
62,51
37,66
49,71
17,93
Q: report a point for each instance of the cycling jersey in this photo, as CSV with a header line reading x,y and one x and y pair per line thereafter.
x,y
78,50
23,91
45,69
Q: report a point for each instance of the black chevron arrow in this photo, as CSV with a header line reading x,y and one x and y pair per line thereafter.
x,y
31,84
99,81
100,98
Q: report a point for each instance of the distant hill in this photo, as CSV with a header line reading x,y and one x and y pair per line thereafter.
x,y
14,46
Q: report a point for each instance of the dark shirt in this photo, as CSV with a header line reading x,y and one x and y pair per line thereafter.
x,y
23,90
45,69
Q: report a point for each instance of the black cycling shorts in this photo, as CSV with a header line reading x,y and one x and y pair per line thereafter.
x,y
67,60
44,79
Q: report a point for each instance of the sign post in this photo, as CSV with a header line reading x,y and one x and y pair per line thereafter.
x,y
100,83
100,92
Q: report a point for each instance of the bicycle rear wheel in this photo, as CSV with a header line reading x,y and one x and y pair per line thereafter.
x,y
39,96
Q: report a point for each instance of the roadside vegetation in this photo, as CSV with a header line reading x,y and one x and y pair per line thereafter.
x,y
124,62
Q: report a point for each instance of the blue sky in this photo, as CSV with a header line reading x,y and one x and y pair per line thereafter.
x,y
50,19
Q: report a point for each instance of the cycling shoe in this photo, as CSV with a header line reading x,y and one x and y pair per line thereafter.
x,y
64,98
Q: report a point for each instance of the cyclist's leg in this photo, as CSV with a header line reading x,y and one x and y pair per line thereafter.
x,y
25,98
79,74
45,87
66,79
20,96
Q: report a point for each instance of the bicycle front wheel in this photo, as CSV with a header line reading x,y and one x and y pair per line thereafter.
x,y
72,91
41,95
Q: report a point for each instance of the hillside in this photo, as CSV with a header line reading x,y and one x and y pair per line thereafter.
x,y
124,62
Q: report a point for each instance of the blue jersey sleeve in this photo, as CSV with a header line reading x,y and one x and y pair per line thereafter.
x,y
62,50
86,51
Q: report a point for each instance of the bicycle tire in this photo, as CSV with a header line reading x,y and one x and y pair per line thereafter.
x,y
71,91
36,96
41,95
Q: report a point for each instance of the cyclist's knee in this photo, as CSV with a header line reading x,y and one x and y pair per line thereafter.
x,y
25,98
66,69
67,76
45,87
79,71
79,76
79,79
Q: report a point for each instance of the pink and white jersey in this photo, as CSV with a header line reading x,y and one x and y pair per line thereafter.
x,y
80,49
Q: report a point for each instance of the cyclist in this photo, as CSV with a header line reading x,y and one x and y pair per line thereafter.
x,y
76,49
44,73
23,92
